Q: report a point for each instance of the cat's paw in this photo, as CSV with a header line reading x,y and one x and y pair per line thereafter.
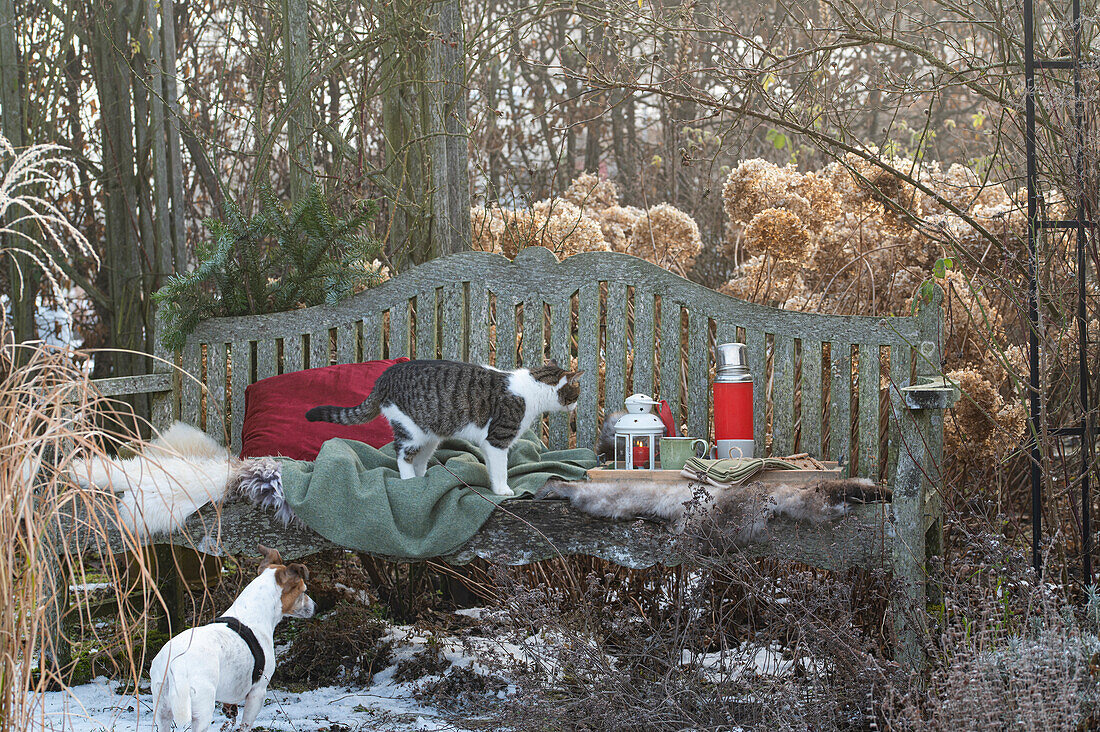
x,y
504,491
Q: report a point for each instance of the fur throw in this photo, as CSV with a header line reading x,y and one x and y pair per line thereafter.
x,y
741,513
172,476
261,481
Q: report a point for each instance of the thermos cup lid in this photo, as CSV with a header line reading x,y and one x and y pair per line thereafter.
x,y
731,354
731,363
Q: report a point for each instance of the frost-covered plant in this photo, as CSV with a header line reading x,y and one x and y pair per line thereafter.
x,y
1038,673
31,224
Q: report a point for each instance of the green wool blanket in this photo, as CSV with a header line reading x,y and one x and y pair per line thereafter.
x,y
353,496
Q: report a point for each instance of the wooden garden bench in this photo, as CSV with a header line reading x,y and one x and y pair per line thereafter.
x,y
837,387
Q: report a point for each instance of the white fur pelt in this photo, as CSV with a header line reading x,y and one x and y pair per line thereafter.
x,y
173,476
741,512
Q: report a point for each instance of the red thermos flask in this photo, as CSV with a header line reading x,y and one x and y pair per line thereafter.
x,y
732,402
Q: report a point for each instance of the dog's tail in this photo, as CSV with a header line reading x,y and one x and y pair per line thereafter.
x,y
179,699
365,412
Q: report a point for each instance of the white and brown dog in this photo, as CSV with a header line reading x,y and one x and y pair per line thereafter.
x,y
230,660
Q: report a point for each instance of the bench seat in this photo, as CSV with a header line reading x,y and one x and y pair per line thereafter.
x,y
525,531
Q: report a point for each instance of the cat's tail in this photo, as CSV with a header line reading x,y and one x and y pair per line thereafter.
x,y
605,441
365,412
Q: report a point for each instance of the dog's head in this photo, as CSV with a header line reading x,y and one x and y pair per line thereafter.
x,y
291,579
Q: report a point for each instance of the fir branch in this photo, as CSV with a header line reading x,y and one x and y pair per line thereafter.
x,y
278,259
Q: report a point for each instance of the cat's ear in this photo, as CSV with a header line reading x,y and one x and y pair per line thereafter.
x,y
571,376
553,362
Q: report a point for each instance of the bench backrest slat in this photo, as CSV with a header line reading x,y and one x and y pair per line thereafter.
x,y
698,392
425,324
840,398
399,330
643,341
504,312
561,320
756,340
191,388
869,408
901,367
216,362
632,326
454,325
477,335
371,327
588,360
783,391
614,350
671,348
809,426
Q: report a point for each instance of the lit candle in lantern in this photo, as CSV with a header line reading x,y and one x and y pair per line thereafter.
x,y
637,434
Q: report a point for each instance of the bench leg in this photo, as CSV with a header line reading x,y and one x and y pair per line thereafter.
x,y
909,551
57,654
168,582
911,600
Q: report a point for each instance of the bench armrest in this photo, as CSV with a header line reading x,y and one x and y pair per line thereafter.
x,y
141,384
932,393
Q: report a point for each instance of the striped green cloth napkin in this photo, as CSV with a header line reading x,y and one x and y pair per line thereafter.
x,y
732,471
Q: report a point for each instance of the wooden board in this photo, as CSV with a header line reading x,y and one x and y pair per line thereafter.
x,y
786,477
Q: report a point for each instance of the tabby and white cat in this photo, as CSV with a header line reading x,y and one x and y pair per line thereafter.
x,y
427,401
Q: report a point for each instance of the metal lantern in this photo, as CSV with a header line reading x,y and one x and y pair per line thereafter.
x,y
638,435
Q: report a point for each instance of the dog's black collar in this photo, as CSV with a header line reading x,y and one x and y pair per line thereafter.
x,y
250,638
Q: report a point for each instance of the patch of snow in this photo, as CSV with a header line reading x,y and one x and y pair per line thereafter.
x,y
748,659
99,707
471,612
89,587
352,594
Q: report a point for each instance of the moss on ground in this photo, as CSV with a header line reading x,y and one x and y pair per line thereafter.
x,y
90,659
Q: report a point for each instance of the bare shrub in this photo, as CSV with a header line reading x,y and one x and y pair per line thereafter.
x,y
587,217
756,644
46,420
1037,670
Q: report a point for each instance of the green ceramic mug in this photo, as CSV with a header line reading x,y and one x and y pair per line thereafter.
x,y
675,451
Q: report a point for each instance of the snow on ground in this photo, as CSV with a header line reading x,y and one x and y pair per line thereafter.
x,y
386,706
96,707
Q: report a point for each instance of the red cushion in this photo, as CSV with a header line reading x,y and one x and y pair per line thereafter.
x,y
275,410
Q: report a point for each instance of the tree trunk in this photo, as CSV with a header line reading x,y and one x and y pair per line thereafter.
x,y
175,163
407,239
22,273
424,116
297,86
122,270
449,158
158,141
